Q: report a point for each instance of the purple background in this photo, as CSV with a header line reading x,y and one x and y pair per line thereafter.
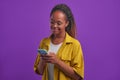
x,y
23,23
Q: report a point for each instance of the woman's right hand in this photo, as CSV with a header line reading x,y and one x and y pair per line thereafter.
x,y
41,65
42,58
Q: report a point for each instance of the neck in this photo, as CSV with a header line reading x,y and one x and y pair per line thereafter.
x,y
57,39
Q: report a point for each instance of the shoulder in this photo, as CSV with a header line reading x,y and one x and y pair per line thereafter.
x,y
45,40
70,39
74,41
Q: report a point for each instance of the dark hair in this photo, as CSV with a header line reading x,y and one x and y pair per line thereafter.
x,y
71,28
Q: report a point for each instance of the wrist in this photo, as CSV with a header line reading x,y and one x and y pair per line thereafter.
x,y
57,62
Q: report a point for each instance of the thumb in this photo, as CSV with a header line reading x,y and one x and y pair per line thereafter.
x,y
51,53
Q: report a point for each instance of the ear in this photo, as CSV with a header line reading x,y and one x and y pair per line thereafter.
x,y
67,23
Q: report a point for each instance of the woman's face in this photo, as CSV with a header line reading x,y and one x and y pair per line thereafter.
x,y
58,22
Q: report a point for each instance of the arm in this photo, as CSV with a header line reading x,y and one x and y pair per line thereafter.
x,y
41,66
68,70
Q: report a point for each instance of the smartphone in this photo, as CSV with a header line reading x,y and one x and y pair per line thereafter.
x,y
42,51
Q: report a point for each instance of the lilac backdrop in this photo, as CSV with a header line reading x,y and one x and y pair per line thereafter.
x,y
23,23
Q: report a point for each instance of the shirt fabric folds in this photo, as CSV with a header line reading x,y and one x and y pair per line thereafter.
x,y
70,52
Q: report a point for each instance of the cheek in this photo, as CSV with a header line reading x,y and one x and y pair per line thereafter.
x,y
63,27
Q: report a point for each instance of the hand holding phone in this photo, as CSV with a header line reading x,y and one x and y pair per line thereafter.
x,y
42,51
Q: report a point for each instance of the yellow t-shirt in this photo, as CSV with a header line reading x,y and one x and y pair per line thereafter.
x,y
70,53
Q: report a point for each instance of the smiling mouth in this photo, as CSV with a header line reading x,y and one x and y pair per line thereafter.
x,y
54,30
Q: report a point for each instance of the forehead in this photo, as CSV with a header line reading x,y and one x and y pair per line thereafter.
x,y
58,15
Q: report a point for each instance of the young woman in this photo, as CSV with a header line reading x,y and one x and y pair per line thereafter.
x,y
64,60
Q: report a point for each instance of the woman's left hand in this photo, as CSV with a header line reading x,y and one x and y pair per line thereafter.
x,y
50,58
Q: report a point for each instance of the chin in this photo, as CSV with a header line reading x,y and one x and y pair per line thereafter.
x,y
56,33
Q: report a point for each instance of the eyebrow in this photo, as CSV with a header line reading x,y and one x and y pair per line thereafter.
x,y
57,20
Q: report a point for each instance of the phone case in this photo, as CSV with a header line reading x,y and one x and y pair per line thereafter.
x,y
42,51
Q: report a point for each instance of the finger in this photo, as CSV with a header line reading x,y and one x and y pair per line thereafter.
x,y
51,53
49,61
46,58
48,55
42,55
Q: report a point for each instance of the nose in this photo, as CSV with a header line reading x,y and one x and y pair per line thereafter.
x,y
55,25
